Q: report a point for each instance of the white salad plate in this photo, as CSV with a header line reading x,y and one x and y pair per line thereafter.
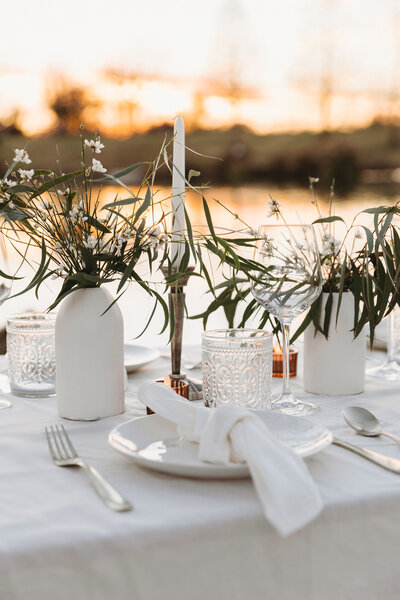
x,y
153,442
136,357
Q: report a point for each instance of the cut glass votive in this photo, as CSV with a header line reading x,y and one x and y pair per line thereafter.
x,y
31,354
237,367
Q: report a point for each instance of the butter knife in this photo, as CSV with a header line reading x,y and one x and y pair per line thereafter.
x,y
388,463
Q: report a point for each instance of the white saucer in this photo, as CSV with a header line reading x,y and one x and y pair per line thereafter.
x,y
136,357
153,442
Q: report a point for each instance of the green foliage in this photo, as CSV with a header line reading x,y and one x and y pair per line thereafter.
x,y
87,243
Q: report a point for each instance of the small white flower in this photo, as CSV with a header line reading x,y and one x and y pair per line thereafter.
x,y
252,232
330,246
90,242
60,272
97,167
9,182
274,207
26,175
11,205
97,146
358,235
126,234
45,205
313,180
22,156
76,214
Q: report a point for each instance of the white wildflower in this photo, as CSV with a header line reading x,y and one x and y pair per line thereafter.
x,y
274,207
252,232
22,156
9,182
97,146
97,167
46,205
11,205
126,234
90,242
313,180
330,245
76,214
26,175
60,272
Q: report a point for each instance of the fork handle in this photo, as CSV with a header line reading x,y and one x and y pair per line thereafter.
x,y
107,493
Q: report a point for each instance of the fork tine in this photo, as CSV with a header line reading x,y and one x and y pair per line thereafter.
x,y
50,444
57,443
60,437
68,440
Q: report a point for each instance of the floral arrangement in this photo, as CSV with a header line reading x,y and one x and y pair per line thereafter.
x,y
364,262
87,243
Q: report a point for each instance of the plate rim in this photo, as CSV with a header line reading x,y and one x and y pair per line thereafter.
x,y
129,366
200,470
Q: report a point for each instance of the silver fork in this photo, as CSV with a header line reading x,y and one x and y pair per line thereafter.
x,y
64,454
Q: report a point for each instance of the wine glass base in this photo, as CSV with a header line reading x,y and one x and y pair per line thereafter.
x,y
389,370
290,405
4,404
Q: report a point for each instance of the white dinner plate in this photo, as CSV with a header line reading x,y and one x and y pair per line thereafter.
x,y
153,442
136,357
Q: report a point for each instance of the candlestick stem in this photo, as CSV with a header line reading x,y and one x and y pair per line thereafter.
x,y
177,306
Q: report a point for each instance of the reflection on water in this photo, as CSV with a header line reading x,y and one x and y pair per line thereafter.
x,y
250,202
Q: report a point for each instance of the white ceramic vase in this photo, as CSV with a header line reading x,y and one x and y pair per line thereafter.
x,y
335,366
89,356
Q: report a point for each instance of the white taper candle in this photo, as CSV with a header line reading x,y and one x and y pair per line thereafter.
x,y
178,192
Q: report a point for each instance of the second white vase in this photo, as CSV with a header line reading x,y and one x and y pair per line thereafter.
x,y
335,366
89,356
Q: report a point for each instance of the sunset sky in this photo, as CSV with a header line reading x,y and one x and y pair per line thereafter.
x,y
178,55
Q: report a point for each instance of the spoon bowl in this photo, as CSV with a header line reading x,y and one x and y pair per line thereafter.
x,y
362,420
365,423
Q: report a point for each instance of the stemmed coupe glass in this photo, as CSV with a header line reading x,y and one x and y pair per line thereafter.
x,y
390,368
5,290
286,284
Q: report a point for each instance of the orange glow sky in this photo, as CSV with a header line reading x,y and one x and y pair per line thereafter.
x,y
278,53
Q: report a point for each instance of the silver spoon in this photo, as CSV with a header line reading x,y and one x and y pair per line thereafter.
x,y
365,423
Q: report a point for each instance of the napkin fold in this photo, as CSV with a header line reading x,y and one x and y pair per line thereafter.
x,y
287,492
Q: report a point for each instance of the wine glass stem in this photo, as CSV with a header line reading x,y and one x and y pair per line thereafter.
x,y
286,350
391,339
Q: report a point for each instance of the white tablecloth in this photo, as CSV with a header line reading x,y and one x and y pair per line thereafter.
x,y
190,539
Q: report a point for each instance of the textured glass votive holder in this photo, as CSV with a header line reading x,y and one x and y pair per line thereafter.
x,y
237,367
31,354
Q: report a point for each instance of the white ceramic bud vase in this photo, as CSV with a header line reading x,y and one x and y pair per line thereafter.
x,y
335,366
89,356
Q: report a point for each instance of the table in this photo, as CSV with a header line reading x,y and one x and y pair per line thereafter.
x,y
191,539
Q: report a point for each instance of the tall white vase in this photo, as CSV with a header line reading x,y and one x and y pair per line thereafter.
x,y
335,366
89,356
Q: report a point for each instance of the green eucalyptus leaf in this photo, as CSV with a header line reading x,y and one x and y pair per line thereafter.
x,y
54,182
119,174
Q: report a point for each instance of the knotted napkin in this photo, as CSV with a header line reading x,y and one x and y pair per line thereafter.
x,y
288,494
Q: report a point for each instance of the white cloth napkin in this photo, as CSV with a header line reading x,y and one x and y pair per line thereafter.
x,y
288,494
